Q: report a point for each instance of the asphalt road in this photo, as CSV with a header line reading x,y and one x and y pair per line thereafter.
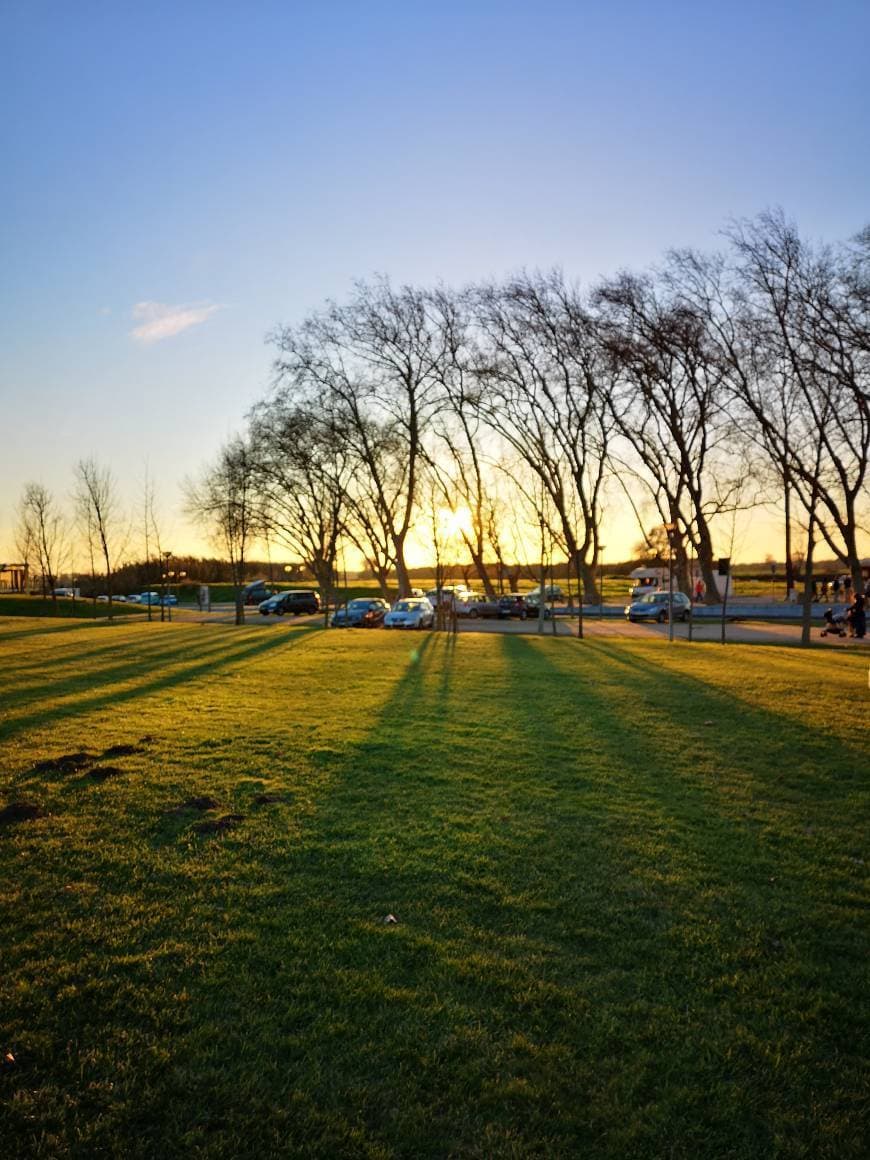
x,y
744,632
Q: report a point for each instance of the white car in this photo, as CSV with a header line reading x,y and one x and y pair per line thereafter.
x,y
414,612
133,598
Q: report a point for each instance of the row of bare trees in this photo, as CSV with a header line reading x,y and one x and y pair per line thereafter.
x,y
49,541
713,383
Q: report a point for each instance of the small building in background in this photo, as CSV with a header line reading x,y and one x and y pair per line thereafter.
x,y
13,577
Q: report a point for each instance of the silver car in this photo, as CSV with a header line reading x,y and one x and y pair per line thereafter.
x,y
410,613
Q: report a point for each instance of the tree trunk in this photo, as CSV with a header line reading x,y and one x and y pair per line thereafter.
x,y
789,566
483,575
807,614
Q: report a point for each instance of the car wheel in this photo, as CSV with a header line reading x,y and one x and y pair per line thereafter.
x,y
473,614
662,617
522,616
685,617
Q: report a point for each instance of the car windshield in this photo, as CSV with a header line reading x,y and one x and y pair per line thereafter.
x,y
406,606
359,605
653,598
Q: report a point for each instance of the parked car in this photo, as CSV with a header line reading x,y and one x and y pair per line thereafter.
x,y
449,592
299,602
169,598
149,598
533,607
362,613
552,592
655,606
478,606
512,605
644,588
256,592
133,598
410,613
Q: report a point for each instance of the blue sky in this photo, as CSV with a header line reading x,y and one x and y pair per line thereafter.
x,y
228,166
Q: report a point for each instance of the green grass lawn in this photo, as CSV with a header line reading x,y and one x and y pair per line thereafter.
x,y
629,879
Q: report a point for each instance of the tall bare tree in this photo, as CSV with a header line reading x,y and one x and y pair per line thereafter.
x,y
303,474
670,412
41,533
98,505
810,308
543,386
374,360
224,501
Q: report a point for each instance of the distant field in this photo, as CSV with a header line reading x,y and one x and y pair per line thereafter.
x,y
630,882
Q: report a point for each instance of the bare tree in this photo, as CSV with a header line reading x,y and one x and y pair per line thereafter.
x,y
809,309
543,384
99,511
669,411
302,472
374,361
224,501
41,534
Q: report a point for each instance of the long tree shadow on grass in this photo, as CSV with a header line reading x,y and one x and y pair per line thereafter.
x,y
488,1020
73,674
215,659
542,993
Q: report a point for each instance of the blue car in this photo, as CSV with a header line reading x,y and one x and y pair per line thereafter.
x,y
365,613
655,605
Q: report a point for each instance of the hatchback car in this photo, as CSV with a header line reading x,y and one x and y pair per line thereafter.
x,y
655,605
513,605
363,613
299,603
417,613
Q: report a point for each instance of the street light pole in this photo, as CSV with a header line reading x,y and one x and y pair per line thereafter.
x,y
670,529
167,556
602,548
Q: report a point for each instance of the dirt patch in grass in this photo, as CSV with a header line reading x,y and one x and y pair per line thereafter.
x,y
219,825
195,803
105,772
67,763
20,812
267,799
122,750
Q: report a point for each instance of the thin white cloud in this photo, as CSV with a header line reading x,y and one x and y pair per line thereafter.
x,y
157,320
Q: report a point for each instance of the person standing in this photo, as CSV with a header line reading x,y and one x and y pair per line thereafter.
x,y
858,617
835,589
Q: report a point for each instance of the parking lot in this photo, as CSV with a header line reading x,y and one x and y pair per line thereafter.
x,y
739,632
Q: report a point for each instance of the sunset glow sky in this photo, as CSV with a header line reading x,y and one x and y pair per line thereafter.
x,y
181,178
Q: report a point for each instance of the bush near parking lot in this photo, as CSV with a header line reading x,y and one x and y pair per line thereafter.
x,y
64,607
632,930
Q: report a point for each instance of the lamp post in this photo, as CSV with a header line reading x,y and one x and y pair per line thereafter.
x,y
670,529
602,548
167,556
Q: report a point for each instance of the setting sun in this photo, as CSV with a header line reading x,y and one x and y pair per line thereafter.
x,y
453,524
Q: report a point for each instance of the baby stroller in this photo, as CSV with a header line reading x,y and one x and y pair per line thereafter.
x,y
835,623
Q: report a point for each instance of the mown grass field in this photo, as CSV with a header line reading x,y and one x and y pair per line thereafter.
x,y
629,879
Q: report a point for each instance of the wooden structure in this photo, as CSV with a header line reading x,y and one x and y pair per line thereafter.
x,y
13,577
